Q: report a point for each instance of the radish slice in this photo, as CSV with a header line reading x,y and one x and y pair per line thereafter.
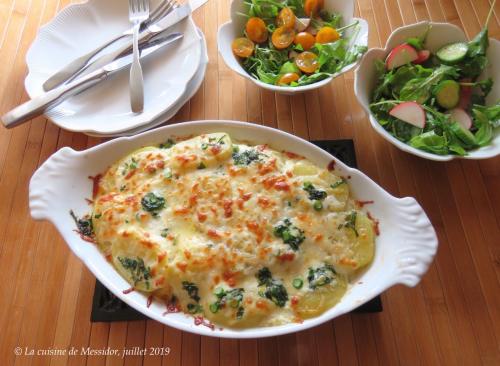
x,y
409,112
401,55
465,94
423,56
461,117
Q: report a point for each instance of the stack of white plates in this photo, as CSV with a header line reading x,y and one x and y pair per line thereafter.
x,y
171,75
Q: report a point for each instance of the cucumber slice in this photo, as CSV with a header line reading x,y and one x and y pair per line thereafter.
x,y
452,53
448,94
465,136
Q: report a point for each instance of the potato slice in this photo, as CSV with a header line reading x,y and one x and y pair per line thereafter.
x,y
136,258
360,249
314,302
202,151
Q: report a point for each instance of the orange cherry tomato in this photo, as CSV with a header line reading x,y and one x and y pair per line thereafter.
x,y
287,78
243,47
282,37
307,62
286,18
256,30
327,35
312,7
305,39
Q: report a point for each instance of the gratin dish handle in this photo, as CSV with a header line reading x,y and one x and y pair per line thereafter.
x,y
44,188
418,242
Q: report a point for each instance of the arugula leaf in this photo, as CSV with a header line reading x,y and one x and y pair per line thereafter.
x,y
484,133
418,42
419,89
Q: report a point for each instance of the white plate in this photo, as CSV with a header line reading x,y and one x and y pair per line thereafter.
x,y
440,34
234,29
404,250
105,108
191,89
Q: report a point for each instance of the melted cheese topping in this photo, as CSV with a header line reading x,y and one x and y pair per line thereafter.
x,y
243,235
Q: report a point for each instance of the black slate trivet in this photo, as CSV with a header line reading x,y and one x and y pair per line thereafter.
x,y
106,307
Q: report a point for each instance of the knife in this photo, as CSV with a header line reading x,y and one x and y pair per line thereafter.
x,y
50,99
76,67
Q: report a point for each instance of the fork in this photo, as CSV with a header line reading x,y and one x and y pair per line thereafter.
x,y
138,12
75,67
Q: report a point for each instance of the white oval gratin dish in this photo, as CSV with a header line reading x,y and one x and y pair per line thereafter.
x,y
440,34
404,250
234,28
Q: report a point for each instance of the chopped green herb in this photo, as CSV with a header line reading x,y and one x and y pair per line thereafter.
x,y
129,166
314,194
290,234
167,144
97,216
123,187
84,225
271,289
321,276
164,232
192,290
338,183
297,283
233,298
194,308
138,270
350,222
317,205
202,166
152,202
204,146
167,173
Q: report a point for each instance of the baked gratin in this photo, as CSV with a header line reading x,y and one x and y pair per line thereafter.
x,y
241,235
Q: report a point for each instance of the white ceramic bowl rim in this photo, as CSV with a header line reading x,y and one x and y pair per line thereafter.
x,y
228,31
364,81
405,247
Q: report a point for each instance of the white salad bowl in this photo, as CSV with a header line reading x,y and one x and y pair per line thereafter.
x,y
440,34
236,26
404,249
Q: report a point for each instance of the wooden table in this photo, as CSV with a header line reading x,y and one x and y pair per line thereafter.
x,y
452,317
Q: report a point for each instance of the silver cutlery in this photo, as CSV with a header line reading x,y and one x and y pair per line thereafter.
x,y
75,67
50,99
138,12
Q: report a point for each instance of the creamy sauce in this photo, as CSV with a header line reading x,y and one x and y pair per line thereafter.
x,y
241,235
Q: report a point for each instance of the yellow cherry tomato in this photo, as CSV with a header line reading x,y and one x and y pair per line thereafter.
x,y
327,35
256,30
312,7
282,37
286,18
307,62
287,78
243,47
305,39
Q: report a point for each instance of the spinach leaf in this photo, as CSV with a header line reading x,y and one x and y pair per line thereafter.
x,y
138,270
152,202
84,225
314,194
246,157
291,235
430,142
321,276
191,289
233,298
484,133
271,289
419,89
